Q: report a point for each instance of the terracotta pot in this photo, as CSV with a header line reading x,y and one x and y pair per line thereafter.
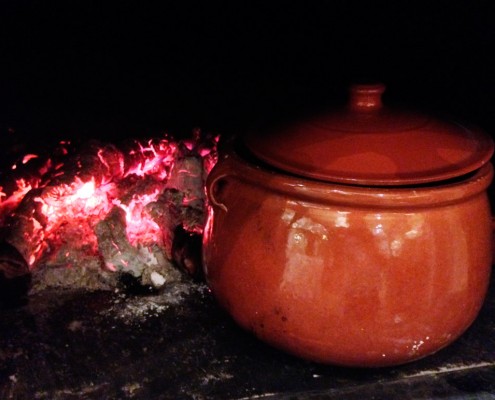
x,y
363,238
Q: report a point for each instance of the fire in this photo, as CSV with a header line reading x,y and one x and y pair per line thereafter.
x,y
86,191
140,227
108,206
80,200
157,159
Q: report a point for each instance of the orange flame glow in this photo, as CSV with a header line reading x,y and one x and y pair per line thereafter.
x,y
82,202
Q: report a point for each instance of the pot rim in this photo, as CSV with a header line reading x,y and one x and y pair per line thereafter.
x,y
234,165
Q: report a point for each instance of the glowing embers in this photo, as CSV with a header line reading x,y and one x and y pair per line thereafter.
x,y
153,159
108,208
78,200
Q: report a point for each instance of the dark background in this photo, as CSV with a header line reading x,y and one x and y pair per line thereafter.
x,y
133,69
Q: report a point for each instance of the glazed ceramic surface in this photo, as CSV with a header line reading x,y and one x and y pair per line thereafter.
x,y
367,143
357,274
349,276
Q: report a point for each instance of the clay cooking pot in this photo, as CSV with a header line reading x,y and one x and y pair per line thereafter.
x,y
359,238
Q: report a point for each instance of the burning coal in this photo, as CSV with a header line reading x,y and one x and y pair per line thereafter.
x,y
78,217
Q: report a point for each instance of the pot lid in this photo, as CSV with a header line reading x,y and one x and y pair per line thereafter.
x,y
370,144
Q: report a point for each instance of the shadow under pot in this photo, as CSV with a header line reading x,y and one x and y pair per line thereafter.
x,y
359,238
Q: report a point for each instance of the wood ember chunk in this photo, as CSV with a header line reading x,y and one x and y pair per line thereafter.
x,y
166,212
74,243
30,171
26,227
12,263
184,192
117,252
186,250
152,158
95,161
188,177
133,186
120,255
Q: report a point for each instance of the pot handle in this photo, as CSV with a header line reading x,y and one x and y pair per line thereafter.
x,y
214,188
217,182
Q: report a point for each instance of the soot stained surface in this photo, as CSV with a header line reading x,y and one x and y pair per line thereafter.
x,y
179,345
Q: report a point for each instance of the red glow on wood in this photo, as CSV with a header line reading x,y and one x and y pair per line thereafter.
x,y
72,200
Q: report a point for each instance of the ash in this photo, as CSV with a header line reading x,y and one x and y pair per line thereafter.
x,y
131,309
83,218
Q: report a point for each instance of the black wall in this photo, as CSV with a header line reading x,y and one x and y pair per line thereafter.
x,y
114,70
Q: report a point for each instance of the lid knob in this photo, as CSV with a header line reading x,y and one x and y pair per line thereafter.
x,y
366,97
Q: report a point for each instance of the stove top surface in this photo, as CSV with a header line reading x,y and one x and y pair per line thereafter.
x,y
180,345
